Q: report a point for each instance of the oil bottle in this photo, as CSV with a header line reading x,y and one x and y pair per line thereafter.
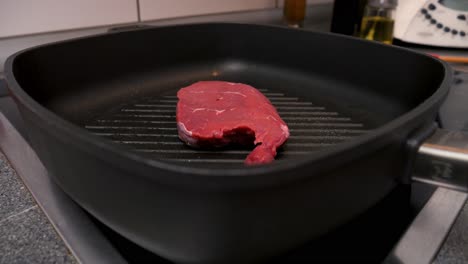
x,y
377,21
294,12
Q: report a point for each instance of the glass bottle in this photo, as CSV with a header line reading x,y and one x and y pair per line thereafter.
x,y
378,20
294,12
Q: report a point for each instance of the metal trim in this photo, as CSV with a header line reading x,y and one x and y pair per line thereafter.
x,y
443,160
424,237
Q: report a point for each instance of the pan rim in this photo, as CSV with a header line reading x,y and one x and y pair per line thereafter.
x,y
95,144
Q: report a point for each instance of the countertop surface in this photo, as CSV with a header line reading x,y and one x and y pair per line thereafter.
x,y
26,236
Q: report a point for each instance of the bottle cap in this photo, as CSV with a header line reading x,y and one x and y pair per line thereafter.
x,y
383,3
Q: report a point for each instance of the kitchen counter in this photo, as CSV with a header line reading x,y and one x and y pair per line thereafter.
x,y
27,236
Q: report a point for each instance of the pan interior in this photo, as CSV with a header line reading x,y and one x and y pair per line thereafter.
x,y
122,86
147,123
145,120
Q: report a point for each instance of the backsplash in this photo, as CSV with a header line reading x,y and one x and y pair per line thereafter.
x,y
161,9
26,17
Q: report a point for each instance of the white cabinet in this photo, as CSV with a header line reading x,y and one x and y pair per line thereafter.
x,y
20,17
159,9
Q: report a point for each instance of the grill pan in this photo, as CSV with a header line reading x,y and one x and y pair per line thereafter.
x,y
100,112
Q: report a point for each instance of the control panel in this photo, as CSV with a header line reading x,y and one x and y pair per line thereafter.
x,y
441,23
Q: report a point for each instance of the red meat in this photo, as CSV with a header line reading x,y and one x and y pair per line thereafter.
x,y
217,113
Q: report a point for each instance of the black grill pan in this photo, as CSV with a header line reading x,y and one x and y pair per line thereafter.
x,y
100,112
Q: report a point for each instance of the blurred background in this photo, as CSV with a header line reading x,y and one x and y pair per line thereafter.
x,y
23,17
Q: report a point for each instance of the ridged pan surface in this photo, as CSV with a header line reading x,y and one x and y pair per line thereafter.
x,y
148,126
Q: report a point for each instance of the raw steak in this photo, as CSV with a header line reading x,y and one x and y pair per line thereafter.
x,y
217,113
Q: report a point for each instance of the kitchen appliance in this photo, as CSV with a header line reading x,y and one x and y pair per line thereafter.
x,y
440,23
161,210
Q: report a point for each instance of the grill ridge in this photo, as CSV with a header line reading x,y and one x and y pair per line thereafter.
x,y
148,127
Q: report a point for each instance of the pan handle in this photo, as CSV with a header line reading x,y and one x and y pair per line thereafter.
x,y
442,160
